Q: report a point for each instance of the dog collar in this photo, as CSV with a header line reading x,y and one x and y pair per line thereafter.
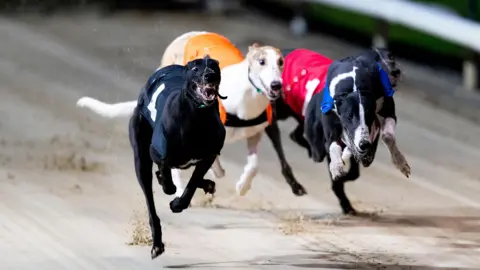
x,y
327,101
252,83
385,80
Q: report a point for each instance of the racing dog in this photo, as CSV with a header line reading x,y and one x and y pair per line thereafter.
x,y
176,124
344,121
305,75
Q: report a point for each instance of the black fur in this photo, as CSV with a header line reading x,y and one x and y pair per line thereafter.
x,y
324,128
186,127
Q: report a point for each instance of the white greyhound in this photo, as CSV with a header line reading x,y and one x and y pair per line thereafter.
x,y
250,83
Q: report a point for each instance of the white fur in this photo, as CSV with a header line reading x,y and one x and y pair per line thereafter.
x,y
361,132
310,86
346,155
153,102
243,100
271,72
336,164
121,109
249,172
177,181
333,83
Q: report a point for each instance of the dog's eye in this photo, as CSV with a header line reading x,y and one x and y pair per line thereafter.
x,y
195,69
280,62
261,62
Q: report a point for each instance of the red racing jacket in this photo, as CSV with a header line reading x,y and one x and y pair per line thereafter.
x,y
304,74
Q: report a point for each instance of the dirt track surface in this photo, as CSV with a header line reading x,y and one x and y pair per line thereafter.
x,y
69,198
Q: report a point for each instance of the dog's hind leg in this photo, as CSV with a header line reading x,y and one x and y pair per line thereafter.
x,y
197,180
297,136
273,133
388,137
338,186
251,169
140,134
217,169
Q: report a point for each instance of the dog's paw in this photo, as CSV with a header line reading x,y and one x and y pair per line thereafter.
x,y
337,169
298,189
208,186
177,205
243,187
168,188
398,159
157,250
316,156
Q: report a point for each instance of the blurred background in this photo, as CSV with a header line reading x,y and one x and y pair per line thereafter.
x,y
69,198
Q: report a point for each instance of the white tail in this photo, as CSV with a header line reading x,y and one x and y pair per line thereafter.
x,y
121,109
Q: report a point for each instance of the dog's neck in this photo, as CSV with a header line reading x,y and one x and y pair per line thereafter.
x,y
244,100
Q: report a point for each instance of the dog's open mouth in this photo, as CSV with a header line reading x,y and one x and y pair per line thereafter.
x,y
208,92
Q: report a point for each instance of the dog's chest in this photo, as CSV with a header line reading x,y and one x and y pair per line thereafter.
x,y
188,146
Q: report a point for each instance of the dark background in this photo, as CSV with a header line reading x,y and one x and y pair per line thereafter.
x,y
354,28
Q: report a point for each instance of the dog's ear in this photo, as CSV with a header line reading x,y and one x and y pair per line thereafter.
x,y
207,57
253,46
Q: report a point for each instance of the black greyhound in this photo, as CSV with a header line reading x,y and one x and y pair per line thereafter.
x,y
372,79
176,124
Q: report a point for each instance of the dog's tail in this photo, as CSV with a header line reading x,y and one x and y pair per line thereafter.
x,y
121,109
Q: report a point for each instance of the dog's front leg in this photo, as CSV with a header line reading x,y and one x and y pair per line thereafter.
x,y
251,169
346,155
337,165
388,137
197,180
164,174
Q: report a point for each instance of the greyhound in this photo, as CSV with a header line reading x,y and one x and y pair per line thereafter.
x,y
176,124
344,121
251,83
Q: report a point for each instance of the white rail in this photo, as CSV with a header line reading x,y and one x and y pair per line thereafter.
x,y
426,18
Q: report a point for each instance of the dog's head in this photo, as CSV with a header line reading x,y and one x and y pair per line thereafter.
x,y
265,70
356,105
203,77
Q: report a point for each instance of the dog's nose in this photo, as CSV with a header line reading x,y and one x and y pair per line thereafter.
x,y
276,85
210,77
364,145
